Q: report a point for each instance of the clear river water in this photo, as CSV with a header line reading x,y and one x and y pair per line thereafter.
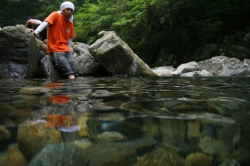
x,y
206,115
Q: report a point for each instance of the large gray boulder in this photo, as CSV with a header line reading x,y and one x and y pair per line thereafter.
x,y
216,66
185,68
47,69
85,63
225,66
117,57
19,53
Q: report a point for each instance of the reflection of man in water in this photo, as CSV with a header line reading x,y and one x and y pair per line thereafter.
x,y
32,24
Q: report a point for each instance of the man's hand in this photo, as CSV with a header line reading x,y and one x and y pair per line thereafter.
x,y
30,30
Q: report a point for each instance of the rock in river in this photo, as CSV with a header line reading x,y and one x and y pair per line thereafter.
x,y
32,137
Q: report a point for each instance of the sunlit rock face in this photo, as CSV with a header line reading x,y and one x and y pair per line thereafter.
x,y
225,66
216,66
117,57
19,53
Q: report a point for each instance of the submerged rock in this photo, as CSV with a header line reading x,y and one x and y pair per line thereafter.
x,y
32,137
160,157
60,154
213,147
15,157
142,145
198,159
111,154
102,93
172,130
34,90
207,133
193,131
4,137
242,155
82,123
6,109
82,143
230,162
112,136
150,127
231,138
20,115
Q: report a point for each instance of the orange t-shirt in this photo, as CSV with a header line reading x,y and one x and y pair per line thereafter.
x,y
59,33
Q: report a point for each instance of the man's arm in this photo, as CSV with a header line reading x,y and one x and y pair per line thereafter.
x,y
27,23
41,27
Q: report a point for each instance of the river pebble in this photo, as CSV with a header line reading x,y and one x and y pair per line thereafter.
x,y
112,136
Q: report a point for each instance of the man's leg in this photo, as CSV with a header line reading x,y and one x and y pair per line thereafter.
x,y
62,64
72,64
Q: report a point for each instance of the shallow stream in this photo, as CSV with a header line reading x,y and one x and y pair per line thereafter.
x,y
183,115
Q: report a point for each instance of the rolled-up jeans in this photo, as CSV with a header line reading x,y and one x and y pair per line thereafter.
x,y
64,62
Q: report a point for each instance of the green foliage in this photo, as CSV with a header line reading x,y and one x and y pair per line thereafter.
x,y
130,19
148,26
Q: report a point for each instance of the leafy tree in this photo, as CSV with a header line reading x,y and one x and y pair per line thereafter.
x,y
148,26
128,18
14,12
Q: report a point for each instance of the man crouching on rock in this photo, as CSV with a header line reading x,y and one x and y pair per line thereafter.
x,y
60,33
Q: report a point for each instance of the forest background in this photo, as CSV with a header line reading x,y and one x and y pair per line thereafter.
x,y
150,27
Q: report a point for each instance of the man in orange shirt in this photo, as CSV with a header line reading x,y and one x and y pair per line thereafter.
x,y
60,33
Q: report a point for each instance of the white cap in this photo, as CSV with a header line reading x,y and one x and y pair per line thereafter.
x,y
67,4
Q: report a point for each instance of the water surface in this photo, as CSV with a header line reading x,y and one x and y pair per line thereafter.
x,y
176,112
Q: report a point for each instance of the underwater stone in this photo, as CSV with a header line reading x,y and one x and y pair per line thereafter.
x,y
142,145
160,157
213,147
15,156
230,162
112,136
198,159
111,154
60,154
32,137
207,133
83,143
193,131
4,137
34,90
